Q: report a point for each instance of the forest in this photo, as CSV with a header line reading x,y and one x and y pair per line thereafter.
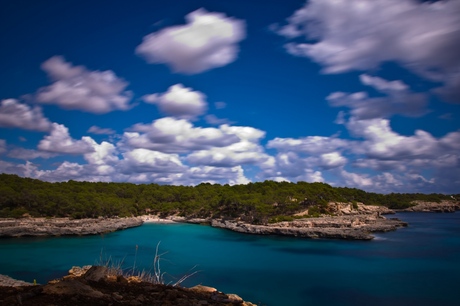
x,y
256,203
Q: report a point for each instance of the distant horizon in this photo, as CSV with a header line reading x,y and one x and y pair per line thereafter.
x,y
360,94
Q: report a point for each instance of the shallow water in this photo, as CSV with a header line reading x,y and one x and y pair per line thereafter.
x,y
418,265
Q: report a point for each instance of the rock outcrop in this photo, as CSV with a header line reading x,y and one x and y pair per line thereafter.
x,y
97,287
64,226
11,282
347,224
444,206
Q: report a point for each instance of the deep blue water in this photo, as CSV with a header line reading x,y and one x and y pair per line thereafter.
x,y
418,265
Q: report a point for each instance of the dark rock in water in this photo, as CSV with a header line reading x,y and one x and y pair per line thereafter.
x,y
108,290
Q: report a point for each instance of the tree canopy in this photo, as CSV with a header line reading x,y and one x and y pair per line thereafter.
x,y
254,202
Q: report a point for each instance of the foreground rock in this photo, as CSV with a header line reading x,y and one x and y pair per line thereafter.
x,y
351,223
63,226
444,206
98,287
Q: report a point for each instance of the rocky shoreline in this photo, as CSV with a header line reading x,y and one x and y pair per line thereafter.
x,y
350,222
344,227
64,226
443,206
96,285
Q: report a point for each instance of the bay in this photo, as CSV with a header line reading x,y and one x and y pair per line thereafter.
x,y
418,265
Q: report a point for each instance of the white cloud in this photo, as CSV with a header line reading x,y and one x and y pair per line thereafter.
x,y
309,145
172,135
355,179
382,142
246,151
102,154
59,141
67,171
144,161
332,160
214,175
28,169
100,131
75,87
361,34
208,40
382,84
14,114
27,154
179,101
399,100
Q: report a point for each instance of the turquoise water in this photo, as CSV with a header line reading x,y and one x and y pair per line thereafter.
x,y
418,265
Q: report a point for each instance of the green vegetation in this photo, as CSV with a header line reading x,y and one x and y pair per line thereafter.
x,y
256,203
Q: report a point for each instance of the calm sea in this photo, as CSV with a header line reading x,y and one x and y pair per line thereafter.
x,y
418,265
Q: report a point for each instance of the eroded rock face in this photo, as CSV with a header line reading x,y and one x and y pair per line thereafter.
x,y
63,226
347,209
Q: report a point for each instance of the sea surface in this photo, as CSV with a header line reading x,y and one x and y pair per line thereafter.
x,y
418,265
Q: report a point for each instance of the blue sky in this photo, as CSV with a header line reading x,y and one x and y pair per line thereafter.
x,y
357,93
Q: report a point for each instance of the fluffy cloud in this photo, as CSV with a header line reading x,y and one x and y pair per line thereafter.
x,y
398,100
246,151
214,175
332,160
179,101
382,142
71,171
101,154
226,146
75,87
143,160
362,34
172,135
207,41
59,141
28,169
17,115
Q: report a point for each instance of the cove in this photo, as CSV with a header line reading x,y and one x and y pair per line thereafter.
x,y
418,265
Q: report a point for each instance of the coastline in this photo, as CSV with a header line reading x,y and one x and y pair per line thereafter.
x,y
40,227
349,221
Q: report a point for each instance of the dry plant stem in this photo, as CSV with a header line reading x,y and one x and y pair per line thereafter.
x,y
156,266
